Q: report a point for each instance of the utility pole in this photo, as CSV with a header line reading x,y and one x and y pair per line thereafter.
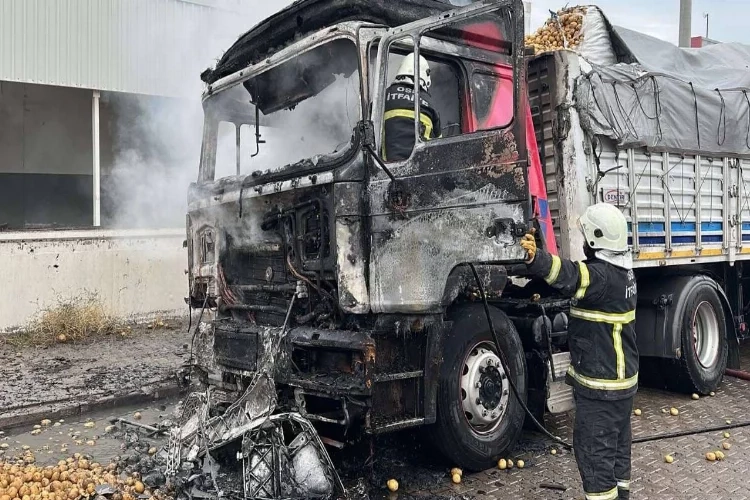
x,y
686,15
705,14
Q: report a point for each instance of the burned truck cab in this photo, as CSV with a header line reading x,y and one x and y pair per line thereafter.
x,y
343,275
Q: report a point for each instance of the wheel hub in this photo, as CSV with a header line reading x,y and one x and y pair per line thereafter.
x,y
706,335
484,389
491,388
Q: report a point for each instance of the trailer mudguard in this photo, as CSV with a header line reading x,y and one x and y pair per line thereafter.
x,y
660,306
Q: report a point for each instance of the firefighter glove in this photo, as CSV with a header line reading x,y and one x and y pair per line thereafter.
x,y
528,242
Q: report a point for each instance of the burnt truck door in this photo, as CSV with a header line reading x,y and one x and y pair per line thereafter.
x,y
463,196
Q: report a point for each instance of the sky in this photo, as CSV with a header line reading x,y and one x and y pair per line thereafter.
x,y
728,19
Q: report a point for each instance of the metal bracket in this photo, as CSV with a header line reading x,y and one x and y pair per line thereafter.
x,y
367,133
504,226
663,301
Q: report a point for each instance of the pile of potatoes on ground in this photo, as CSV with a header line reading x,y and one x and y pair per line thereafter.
x,y
71,479
567,26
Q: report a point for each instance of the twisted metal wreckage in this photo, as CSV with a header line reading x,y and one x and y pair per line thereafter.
x,y
281,454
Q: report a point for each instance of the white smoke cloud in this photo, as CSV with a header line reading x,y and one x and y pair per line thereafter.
x,y
316,126
156,142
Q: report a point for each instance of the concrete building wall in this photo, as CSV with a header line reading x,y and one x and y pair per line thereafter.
x,y
135,46
134,274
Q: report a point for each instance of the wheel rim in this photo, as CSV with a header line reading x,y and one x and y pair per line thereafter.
x,y
706,334
484,389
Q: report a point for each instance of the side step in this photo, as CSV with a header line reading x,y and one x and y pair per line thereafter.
x,y
559,394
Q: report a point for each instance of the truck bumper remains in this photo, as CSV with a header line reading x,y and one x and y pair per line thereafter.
x,y
266,455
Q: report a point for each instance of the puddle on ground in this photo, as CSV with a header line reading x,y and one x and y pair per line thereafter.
x,y
83,434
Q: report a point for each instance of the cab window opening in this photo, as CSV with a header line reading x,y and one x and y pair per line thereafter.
x,y
307,107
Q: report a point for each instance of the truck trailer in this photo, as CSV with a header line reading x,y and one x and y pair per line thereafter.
x,y
356,284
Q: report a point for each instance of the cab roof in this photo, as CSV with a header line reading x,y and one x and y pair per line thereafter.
x,y
308,16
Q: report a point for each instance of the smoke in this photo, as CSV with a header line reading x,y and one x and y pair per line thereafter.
x,y
156,141
319,125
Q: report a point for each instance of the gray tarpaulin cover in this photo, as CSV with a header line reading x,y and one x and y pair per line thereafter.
x,y
691,100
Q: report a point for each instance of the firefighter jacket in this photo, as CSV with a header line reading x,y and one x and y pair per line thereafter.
x,y
601,330
399,139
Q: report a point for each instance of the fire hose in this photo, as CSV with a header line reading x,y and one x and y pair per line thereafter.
x,y
737,374
504,362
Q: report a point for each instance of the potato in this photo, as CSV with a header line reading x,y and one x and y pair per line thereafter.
x,y
392,486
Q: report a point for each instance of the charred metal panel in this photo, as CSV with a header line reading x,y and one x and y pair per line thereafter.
x,y
307,16
409,355
334,362
461,280
351,259
464,200
236,347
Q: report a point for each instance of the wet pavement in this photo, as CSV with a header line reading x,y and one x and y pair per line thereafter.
x,y
91,434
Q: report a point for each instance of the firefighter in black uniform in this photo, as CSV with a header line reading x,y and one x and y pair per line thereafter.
x,y
399,115
604,357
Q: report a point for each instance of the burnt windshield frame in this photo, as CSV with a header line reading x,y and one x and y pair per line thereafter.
x,y
214,114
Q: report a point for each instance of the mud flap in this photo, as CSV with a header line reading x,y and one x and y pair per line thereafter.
x,y
559,394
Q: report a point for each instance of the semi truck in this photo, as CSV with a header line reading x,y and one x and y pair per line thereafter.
x,y
358,283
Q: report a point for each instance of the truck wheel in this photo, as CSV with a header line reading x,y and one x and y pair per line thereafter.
x,y
704,341
478,417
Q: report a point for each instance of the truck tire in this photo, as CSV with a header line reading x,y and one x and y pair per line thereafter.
x,y
476,425
703,335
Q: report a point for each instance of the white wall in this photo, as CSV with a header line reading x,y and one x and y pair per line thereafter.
x,y
136,274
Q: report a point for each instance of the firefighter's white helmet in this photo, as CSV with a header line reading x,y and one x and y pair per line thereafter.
x,y
605,228
406,71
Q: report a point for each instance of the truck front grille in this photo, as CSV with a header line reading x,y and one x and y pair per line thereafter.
x,y
244,269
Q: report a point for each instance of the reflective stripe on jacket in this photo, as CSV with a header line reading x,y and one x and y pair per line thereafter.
x,y
601,330
398,119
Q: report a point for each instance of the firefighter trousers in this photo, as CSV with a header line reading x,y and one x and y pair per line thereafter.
x,y
601,441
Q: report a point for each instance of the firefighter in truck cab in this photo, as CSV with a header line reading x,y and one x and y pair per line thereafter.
x,y
604,357
399,115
